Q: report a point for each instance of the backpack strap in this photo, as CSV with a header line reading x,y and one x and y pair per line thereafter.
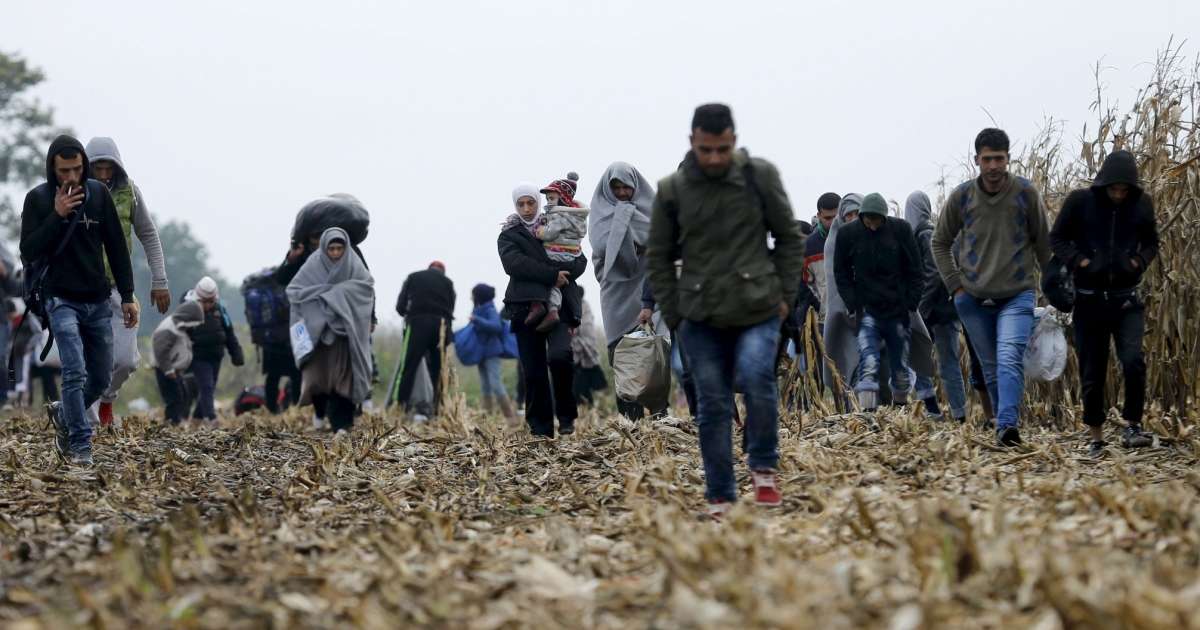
x,y
752,183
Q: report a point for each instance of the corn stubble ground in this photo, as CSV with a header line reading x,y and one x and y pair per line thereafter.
x,y
263,523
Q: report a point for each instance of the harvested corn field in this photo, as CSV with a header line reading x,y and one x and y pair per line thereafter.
x,y
263,523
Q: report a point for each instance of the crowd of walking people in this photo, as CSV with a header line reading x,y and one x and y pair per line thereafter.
x,y
712,258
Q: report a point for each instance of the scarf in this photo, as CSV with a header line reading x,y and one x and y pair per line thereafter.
x,y
335,299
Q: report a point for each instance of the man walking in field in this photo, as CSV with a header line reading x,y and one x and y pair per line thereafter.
x,y
714,215
1001,221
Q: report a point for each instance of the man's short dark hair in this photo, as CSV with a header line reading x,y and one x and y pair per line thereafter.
x,y
68,153
829,201
713,118
992,138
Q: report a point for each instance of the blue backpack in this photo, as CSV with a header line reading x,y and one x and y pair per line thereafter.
x,y
467,347
267,309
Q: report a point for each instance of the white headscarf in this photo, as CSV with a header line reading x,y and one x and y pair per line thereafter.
x,y
524,189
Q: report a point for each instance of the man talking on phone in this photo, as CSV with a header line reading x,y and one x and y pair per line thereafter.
x,y
71,222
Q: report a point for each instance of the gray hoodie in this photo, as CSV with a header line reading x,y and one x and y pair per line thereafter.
x,y
102,148
171,343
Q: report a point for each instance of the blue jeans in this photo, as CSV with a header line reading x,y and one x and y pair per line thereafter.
x,y
490,381
720,359
945,340
999,331
84,337
895,332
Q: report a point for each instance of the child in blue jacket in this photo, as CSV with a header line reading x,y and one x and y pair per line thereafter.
x,y
489,329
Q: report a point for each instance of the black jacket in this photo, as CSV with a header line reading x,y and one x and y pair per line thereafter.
x,y
78,274
212,338
936,306
1090,226
531,275
427,292
880,271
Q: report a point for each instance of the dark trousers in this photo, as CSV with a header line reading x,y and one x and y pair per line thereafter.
x,y
339,409
207,373
1100,320
271,389
423,339
547,360
175,395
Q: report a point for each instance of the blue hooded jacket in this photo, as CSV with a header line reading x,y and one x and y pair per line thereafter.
x,y
489,329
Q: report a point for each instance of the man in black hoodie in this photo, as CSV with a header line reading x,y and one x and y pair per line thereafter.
x,y
1107,236
71,222
879,274
426,303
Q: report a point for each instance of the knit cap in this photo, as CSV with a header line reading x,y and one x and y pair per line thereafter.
x,y
874,203
566,188
207,289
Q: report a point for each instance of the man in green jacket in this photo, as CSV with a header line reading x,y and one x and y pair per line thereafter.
x,y
714,215
108,167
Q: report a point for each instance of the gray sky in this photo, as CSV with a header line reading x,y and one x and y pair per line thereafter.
x,y
232,114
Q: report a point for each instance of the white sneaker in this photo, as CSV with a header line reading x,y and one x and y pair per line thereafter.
x,y
320,424
420,417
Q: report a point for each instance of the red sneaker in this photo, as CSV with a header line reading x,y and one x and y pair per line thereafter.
x,y
106,414
766,490
716,510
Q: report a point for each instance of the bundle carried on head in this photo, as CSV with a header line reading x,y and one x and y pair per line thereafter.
x,y
337,210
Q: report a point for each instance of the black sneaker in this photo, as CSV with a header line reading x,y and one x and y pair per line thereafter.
x,y
566,428
1134,437
1096,449
62,438
932,410
83,459
1009,436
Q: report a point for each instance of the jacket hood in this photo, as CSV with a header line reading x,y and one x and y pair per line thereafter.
x,y
104,148
59,145
852,202
1120,167
189,314
917,211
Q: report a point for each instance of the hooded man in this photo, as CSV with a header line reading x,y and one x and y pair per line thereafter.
x,y
172,347
426,303
71,223
878,271
999,223
937,312
730,296
1107,236
109,169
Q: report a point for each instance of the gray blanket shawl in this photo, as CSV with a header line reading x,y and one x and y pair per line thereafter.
x,y
618,231
334,299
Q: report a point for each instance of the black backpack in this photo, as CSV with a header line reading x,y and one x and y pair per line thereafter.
x,y
267,309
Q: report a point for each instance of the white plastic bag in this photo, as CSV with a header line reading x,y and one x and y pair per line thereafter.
x,y
1046,355
53,360
642,369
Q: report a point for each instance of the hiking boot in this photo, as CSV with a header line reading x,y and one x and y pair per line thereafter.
x,y
989,424
566,428
766,489
548,322
716,510
83,459
106,414
932,410
1134,437
537,311
1009,436
62,438
1096,449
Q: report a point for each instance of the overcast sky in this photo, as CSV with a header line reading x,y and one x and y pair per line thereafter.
x,y
232,114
